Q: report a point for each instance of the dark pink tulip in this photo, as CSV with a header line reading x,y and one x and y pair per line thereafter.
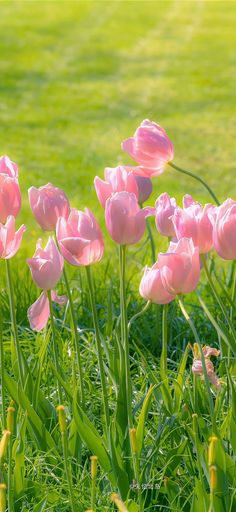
x,y
144,188
165,208
39,312
8,167
180,267
193,221
10,197
46,265
118,179
151,286
80,238
150,146
125,220
224,230
48,203
10,239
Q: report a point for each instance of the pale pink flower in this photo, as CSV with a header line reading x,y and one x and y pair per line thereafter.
x,y
151,286
224,229
46,265
8,167
118,179
39,311
165,208
180,267
197,367
48,203
10,239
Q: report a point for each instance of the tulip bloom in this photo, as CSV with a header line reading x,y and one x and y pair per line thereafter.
x,y
180,267
197,367
165,208
10,197
150,147
46,265
125,220
39,311
224,230
80,238
48,203
8,167
10,239
118,179
151,286
194,221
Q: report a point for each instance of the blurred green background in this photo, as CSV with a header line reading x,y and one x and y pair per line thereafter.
x,y
78,77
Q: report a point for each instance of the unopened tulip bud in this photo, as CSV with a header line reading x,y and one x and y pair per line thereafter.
x,y
94,464
212,450
10,419
118,502
62,418
4,443
3,488
213,478
133,440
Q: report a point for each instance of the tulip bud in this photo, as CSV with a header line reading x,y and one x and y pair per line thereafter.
x,y
118,502
2,497
62,418
94,460
4,443
10,419
212,450
133,440
213,478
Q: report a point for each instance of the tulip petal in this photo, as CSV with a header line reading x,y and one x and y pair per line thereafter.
x,y
39,312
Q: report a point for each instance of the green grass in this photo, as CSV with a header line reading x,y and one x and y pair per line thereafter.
x,y
78,77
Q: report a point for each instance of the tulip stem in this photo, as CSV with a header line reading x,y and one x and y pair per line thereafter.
x,y
150,236
9,476
125,334
2,373
140,313
77,341
55,352
13,321
189,173
197,339
163,361
99,344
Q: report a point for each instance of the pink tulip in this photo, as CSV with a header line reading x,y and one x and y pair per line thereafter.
x,y
80,238
10,197
8,167
39,312
48,203
10,239
193,221
180,267
165,208
46,265
150,147
197,367
151,287
224,230
144,188
125,220
118,179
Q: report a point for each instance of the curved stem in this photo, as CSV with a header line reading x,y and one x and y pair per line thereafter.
x,y
125,334
76,334
150,236
13,321
140,313
2,373
189,173
197,339
55,352
99,345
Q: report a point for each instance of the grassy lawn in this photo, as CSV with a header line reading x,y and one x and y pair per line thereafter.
x,y
78,77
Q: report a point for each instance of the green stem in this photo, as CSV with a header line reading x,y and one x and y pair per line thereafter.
x,y
76,334
9,477
215,293
125,335
189,173
99,345
140,313
2,373
150,236
55,351
163,361
13,321
68,470
197,339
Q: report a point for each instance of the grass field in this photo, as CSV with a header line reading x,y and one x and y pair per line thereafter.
x,y
78,77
